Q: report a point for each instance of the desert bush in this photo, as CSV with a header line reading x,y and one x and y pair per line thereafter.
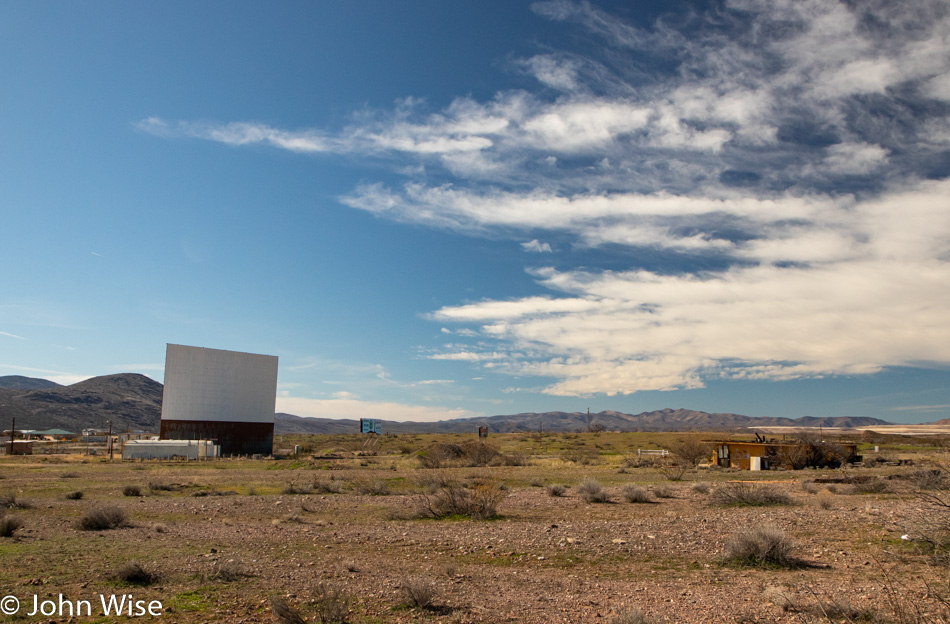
x,y
873,485
134,574
9,525
326,486
810,487
593,492
77,495
701,487
330,604
556,489
761,546
418,592
935,479
9,500
635,494
163,487
692,450
745,495
103,518
131,490
293,489
158,527
284,613
631,616
581,456
69,475
825,503
214,492
479,502
371,487
228,572
664,491
468,454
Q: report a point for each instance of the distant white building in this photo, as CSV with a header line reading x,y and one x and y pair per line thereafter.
x,y
226,396
170,449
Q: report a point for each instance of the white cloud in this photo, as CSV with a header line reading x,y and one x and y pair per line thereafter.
x,y
355,409
536,246
343,394
9,335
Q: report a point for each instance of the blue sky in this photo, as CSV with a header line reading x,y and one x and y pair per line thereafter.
x,y
434,210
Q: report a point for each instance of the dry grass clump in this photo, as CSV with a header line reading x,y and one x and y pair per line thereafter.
x,y
467,454
761,546
636,494
77,495
479,501
593,492
371,487
131,490
293,489
103,518
631,616
556,490
69,475
330,486
701,487
228,572
330,603
418,592
9,500
163,487
9,525
873,485
284,613
134,574
664,491
810,487
746,495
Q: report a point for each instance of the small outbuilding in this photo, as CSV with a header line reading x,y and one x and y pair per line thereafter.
x,y
18,447
762,455
171,449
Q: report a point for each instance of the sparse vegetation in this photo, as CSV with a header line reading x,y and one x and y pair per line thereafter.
x,y
631,616
331,605
228,572
9,500
133,573
131,490
701,487
664,491
593,492
556,489
418,592
746,495
636,494
284,613
103,518
77,495
761,546
479,501
9,525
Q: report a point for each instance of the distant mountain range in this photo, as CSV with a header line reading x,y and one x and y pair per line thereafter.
x,y
133,401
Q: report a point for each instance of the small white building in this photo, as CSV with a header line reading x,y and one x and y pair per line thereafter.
x,y
171,449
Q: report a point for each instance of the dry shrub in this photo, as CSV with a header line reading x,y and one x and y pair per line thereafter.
x,y
103,518
872,485
9,500
467,454
329,486
929,480
478,502
418,592
228,572
284,613
581,456
761,546
134,574
556,489
131,490
371,487
664,491
636,494
164,487
330,603
77,495
631,616
810,487
293,489
69,475
701,487
593,492
9,525
746,495
692,450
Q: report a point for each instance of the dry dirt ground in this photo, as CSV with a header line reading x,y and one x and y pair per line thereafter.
x,y
546,559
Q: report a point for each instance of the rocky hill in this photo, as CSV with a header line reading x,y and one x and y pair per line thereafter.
x,y
19,382
129,400
133,401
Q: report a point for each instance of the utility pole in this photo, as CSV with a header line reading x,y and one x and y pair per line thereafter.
x,y
12,433
110,440
588,420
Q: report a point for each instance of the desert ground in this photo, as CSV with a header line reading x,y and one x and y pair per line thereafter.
x,y
346,531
